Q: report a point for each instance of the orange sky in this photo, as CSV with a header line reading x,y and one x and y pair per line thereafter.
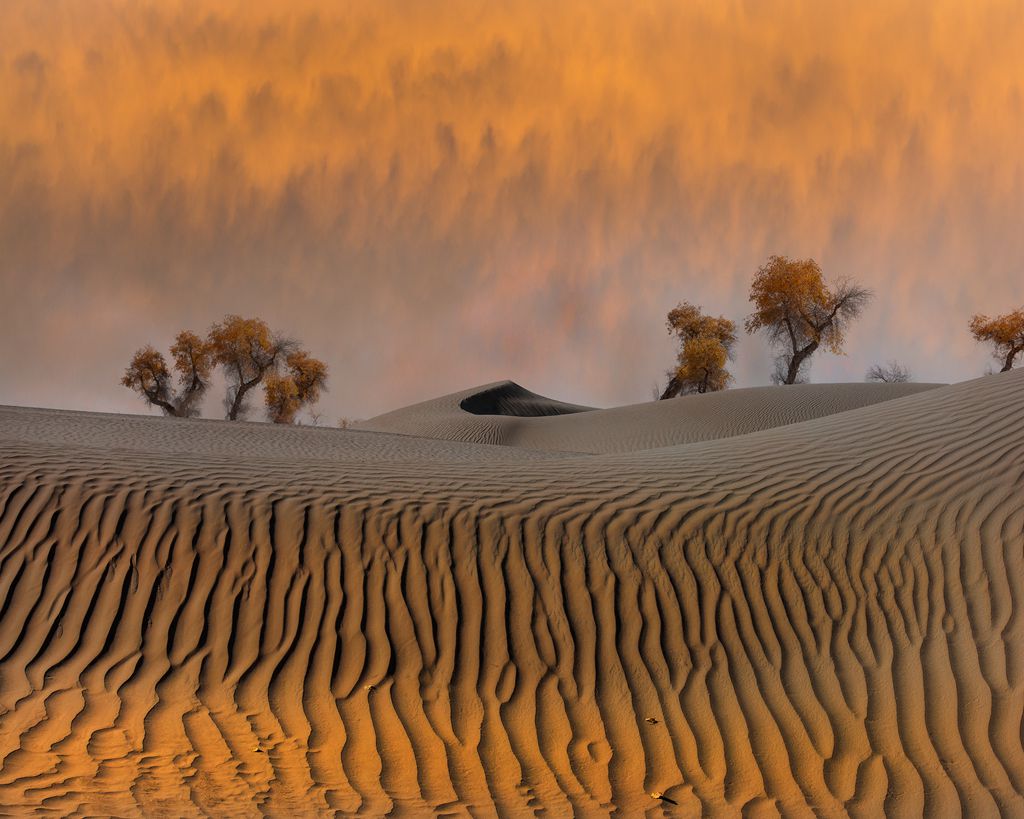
x,y
435,195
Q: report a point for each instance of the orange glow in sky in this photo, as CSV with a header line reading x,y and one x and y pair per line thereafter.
x,y
436,195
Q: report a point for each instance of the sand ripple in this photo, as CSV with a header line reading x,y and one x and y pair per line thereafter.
x,y
825,617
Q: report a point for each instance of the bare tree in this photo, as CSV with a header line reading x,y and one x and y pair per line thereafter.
x,y
891,373
149,375
800,313
1005,334
705,345
247,351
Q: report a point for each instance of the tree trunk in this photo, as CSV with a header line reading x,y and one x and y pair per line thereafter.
x,y
671,390
1010,356
166,406
799,356
794,368
243,388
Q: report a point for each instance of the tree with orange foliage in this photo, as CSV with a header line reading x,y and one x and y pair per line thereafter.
x,y
706,344
299,385
800,313
247,352
149,375
1004,333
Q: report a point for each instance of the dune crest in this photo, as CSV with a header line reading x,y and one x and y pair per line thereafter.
x,y
508,398
822,616
504,413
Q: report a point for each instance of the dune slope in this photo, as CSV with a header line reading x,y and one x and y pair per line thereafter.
x,y
505,413
824,617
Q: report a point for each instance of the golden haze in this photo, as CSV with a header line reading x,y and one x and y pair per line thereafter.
x,y
474,175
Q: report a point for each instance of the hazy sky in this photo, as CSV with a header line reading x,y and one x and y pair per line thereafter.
x,y
434,195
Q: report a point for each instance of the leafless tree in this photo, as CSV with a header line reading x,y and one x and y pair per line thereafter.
x,y
891,373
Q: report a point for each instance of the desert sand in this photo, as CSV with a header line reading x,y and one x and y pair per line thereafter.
x,y
797,600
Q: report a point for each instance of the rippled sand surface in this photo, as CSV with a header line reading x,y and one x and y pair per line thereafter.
x,y
796,601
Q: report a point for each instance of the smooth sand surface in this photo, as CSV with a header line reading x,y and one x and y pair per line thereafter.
x,y
797,600
506,414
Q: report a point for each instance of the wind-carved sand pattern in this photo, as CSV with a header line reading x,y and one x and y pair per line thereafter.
x,y
825,616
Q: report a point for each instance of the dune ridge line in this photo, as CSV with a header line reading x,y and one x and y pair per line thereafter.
x,y
799,601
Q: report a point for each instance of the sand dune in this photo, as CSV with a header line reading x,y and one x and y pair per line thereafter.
x,y
798,601
505,413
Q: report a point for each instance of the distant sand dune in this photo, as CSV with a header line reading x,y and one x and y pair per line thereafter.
x,y
505,413
801,600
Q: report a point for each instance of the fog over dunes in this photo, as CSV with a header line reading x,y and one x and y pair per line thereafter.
x,y
796,611
529,185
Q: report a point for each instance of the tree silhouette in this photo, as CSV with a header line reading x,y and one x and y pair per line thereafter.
x,y
149,375
248,352
1004,333
706,344
299,385
891,373
800,313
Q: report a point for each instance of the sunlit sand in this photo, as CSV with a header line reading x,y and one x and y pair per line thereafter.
x,y
787,600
